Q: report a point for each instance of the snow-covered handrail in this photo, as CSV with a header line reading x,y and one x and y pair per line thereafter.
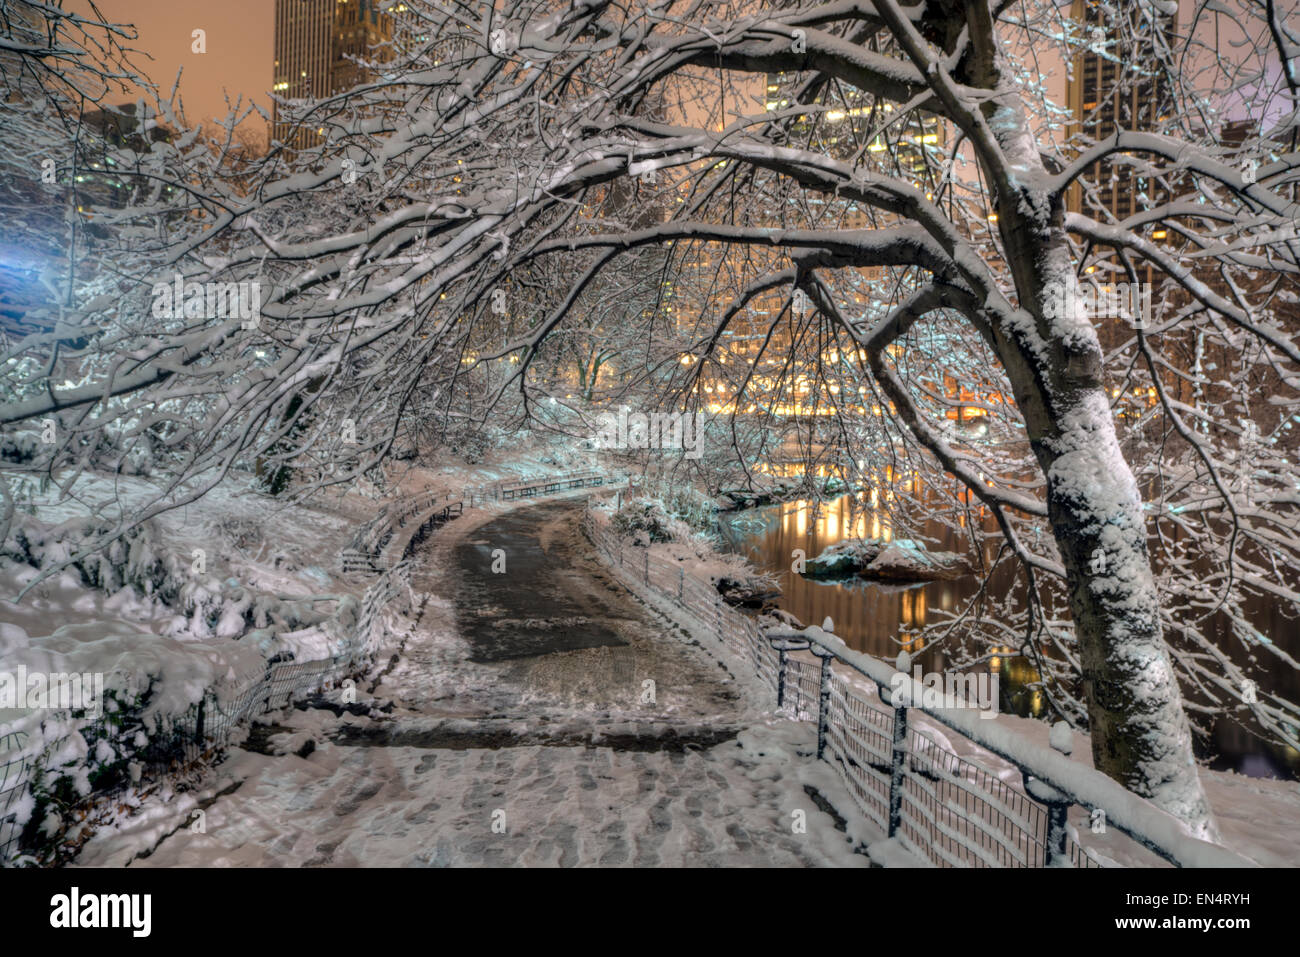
x,y
1141,820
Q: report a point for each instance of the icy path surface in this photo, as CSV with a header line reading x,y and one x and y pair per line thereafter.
x,y
514,727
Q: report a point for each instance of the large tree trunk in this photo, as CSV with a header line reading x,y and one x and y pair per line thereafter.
x,y
1140,732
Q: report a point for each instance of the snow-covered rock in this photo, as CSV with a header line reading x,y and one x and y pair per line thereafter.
x,y
842,559
746,591
907,560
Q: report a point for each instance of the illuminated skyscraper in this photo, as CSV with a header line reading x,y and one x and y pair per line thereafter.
x,y
303,59
1109,90
317,43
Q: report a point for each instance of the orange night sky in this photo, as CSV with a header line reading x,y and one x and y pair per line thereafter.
x,y
239,53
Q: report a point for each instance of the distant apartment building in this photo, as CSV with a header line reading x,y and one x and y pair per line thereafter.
x,y
856,128
1110,90
853,126
317,44
359,28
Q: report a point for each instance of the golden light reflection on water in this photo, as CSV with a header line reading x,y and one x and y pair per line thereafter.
x,y
876,617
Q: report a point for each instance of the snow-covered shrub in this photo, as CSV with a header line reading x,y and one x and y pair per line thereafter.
x,y
691,506
242,533
154,683
667,512
19,446
80,756
647,520
205,607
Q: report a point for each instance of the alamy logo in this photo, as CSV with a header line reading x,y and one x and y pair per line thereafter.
x,y
948,690
208,300
657,430
75,910
42,690
1120,301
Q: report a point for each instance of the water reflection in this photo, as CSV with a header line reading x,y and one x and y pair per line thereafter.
x,y
881,618
875,617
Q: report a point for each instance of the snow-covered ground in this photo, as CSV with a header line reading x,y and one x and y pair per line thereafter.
x,y
547,759
733,804
454,757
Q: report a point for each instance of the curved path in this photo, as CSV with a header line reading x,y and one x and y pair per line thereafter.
x,y
536,715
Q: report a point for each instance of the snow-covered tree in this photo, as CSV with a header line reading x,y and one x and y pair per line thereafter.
x,y
912,180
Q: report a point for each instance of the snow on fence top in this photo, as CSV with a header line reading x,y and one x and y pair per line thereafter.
x,y
1141,820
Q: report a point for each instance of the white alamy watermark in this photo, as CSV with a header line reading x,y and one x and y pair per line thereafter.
x,y
57,691
179,299
655,430
1123,300
74,910
947,690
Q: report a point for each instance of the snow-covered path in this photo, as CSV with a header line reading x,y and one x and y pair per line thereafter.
x,y
515,726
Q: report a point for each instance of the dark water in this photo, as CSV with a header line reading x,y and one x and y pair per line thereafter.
x,y
882,619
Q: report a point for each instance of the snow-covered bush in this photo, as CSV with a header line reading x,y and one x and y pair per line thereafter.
x,y
83,756
646,520
19,446
669,512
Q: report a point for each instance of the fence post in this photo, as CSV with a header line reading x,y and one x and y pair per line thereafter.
x,y
270,685
198,731
823,705
898,768
782,666
1055,853
1058,812
647,564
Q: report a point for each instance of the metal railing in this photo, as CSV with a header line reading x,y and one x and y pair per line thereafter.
x,y
14,769
944,809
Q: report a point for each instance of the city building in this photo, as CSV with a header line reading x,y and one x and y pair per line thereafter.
x,y
317,43
1109,91
852,126
303,60
360,32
